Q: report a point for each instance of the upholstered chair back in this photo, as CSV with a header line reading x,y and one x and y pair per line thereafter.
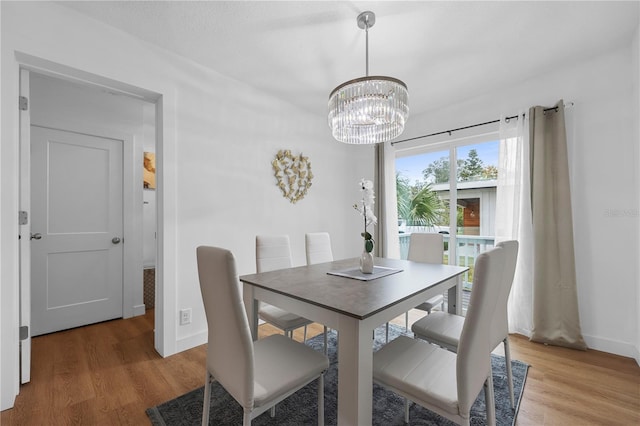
x,y
272,252
473,364
230,346
426,247
500,326
318,247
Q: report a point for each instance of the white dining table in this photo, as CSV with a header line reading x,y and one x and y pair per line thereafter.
x,y
354,307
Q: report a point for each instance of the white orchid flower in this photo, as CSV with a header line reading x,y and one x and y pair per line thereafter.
x,y
365,208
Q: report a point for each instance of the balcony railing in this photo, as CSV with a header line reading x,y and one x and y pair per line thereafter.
x,y
469,247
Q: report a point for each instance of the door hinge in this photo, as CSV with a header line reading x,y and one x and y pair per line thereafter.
x,y
24,332
23,102
23,217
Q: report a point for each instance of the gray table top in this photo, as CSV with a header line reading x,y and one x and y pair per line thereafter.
x,y
353,297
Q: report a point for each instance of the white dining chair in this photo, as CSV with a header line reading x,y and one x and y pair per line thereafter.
x,y
317,247
444,329
257,374
274,252
440,380
426,248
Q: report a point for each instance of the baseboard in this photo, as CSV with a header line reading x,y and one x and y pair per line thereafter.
x,y
613,347
191,341
525,333
604,345
138,310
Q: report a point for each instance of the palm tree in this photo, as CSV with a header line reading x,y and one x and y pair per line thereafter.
x,y
426,207
403,196
418,204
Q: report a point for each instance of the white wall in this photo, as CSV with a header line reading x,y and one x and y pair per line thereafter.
x,y
604,181
219,137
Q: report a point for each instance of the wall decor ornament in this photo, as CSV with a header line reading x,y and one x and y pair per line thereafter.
x,y
293,174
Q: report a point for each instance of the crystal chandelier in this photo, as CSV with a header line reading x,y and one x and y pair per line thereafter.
x,y
368,110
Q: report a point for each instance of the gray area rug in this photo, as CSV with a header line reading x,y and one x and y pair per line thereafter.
x,y
301,407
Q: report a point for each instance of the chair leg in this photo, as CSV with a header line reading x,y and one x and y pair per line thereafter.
x,y
406,410
321,400
304,339
507,358
326,337
386,334
246,419
272,411
406,321
207,399
490,400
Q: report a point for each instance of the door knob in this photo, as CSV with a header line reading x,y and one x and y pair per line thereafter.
x,y
115,240
36,236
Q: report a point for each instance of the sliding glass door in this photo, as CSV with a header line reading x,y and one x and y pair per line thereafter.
x,y
451,189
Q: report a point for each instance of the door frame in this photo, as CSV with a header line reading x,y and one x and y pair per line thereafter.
x,y
25,230
41,66
132,151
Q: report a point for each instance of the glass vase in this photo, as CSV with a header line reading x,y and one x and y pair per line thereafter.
x,y
366,262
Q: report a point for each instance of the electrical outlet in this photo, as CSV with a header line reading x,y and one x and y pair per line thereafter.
x,y
185,316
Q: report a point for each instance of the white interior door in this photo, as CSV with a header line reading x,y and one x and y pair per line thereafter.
x,y
77,229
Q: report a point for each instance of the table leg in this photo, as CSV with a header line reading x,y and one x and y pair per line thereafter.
x,y
355,373
454,297
251,306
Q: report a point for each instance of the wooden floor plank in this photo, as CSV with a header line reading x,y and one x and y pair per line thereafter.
x,y
109,374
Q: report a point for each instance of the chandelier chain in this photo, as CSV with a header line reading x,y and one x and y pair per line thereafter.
x,y
366,30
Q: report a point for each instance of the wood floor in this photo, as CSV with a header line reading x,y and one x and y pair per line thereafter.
x,y
109,373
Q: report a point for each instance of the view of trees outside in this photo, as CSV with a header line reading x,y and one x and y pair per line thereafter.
x,y
418,203
471,168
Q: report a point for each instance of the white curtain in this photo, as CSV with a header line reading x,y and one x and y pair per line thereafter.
x,y
388,242
513,217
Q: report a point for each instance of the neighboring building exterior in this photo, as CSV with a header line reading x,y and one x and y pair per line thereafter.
x,y
478,201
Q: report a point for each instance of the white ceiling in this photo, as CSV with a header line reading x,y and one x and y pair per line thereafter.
x,y
445,52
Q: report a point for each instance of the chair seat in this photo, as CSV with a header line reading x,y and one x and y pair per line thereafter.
x,y
431,303
282,319
424,373
281,364
440,328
